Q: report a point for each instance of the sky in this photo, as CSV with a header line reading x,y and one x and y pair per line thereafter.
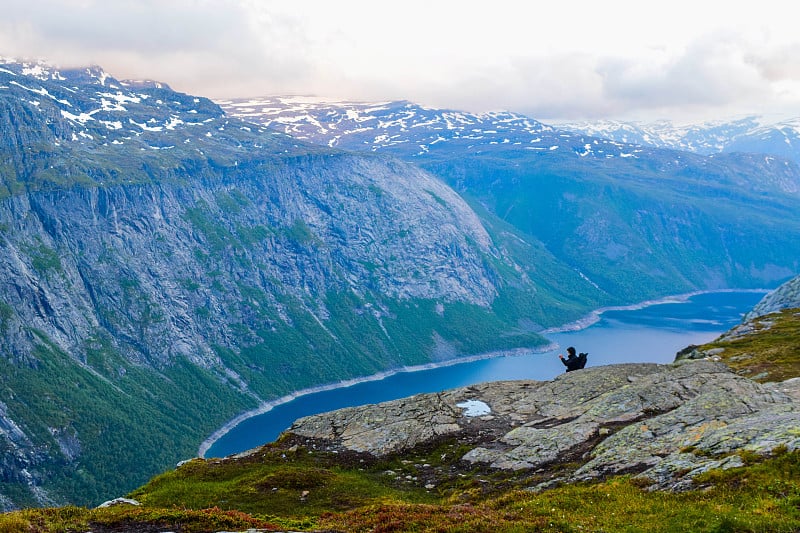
x,y
556,61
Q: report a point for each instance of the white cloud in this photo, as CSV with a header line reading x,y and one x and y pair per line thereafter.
x,y
554,60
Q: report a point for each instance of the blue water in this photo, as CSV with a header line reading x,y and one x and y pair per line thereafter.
x,y
649,334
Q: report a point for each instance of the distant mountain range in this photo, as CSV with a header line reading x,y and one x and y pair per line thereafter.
x,y
614,211
752,134
375,126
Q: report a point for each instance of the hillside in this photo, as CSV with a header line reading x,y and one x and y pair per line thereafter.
x,y
691,446
637,221
164,267
766,345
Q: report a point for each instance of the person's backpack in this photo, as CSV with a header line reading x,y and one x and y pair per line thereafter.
x,y
582,359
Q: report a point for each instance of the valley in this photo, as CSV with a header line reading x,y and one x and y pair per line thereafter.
x,y
166,265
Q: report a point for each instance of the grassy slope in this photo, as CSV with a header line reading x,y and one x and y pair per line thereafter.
x,y
770,353
353,493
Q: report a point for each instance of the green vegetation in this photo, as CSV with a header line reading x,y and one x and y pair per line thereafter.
x,y
217,235
229,204
102,409
127,518
302,234
771,352
6,314
736,502
273,482
286,487
44,259
437,198
252,235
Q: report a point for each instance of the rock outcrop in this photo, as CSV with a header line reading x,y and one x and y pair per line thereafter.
x,y
666,423
787,296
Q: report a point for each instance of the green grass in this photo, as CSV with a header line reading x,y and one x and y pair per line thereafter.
x,y
737,502
770,353
128,518
289,483
266,490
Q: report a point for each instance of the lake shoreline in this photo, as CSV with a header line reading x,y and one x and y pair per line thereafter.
x,y
268,406
582,323
594,316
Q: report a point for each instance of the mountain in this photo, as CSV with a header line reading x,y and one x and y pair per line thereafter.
x,y
634,220
164,267
757,135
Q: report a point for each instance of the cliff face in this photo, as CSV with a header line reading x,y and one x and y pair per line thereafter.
x,y
636,220
787,296
166,269
163,267
666,423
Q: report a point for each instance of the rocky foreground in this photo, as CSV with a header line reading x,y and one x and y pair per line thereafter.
x,y
664,423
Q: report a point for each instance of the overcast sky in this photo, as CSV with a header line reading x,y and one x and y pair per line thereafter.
x,y
554,60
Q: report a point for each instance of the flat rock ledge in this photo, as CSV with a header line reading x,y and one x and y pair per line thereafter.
x,y
664,423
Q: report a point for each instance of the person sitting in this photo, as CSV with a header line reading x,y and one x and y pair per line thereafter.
x,y
573,362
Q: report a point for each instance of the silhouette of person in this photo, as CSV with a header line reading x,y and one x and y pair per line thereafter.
x,y
573,362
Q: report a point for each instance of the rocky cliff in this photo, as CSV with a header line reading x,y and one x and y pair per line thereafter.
x,y
163,268
636,220
664,423
787,296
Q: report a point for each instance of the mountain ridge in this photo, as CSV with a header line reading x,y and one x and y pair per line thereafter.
x,y
751,134
165,267
599,205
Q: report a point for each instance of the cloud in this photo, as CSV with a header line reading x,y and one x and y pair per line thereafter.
x,y
144,26
561,60
711,73
778,64
196,45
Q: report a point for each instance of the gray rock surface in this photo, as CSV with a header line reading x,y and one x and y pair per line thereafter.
x,y
667,423
787,296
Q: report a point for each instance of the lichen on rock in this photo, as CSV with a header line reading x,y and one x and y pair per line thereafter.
x,y
666,423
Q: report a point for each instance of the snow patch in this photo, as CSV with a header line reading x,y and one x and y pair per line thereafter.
x,y
83,118
474,408
115,125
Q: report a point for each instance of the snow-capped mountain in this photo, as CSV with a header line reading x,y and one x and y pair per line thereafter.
x,y
750,134
422,134
413,130
88,106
